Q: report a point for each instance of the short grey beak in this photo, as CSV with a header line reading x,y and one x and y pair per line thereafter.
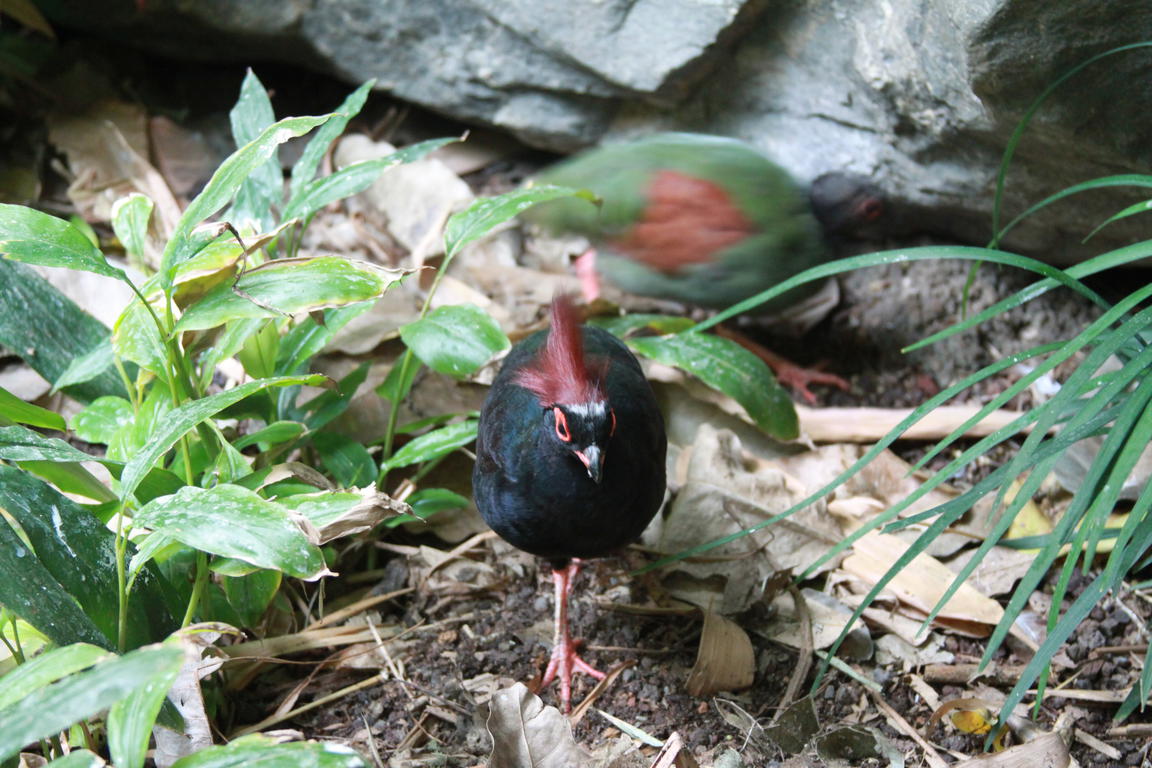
x,y
593,460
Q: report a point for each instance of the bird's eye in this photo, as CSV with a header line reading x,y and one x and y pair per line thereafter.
x,y
561,425
612,413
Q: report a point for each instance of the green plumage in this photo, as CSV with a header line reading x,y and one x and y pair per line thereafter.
x,y
783,238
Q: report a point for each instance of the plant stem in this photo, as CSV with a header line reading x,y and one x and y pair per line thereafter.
x,y
394,412
197,587
121,583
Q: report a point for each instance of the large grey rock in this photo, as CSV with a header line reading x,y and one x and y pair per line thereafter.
x,y
921,94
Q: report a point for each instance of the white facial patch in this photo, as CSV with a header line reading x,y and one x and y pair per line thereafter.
x,y
594,408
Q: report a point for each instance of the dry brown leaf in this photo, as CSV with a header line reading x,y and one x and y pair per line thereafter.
x,y
1048,751
725,660
373,507
527,734
829,617
921,584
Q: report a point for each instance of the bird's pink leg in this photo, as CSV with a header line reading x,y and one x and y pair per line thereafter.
x,y
787,372
565,661
585,266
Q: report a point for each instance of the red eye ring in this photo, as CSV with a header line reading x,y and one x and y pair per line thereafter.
x,y
612,413
561,425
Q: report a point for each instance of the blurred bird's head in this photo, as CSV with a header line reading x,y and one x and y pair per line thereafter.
x,y
845,203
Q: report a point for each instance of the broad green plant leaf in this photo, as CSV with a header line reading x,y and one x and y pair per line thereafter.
x,y
275,433
455,340
29,591
232,521
102,419
15,410
86,367
335,514
61,333
264,187
305,168
729,368
353,178
179,421
433,445
252,593
258,354
47,668
487,213
130,720
78,758
79,552
259,750
347,461
308,337
289,286
224,185
427,502
136,337
34,237
130,215
85,694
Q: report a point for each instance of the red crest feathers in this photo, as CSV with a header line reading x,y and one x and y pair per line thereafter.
x,y
560,374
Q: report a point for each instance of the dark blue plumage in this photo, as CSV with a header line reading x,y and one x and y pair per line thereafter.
x,y
570,455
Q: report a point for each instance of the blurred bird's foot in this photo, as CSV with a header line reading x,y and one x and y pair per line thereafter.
x,y
787,372
585,266
565,660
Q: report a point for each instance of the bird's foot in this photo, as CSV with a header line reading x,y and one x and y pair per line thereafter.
x,y
585,266
798,378
565,663
787,372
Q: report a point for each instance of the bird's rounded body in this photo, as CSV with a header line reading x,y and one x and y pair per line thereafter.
x,y
532,489
705,220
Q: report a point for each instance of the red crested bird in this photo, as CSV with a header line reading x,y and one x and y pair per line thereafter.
x,y
569,458
705,220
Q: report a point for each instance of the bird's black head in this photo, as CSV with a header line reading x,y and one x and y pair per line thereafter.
x,y
584,431
845,203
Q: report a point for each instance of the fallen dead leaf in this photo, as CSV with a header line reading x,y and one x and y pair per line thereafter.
x,y
725,660
1048,751
527,734
922,583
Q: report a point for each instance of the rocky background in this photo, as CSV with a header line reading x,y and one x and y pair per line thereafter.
x,y
923,96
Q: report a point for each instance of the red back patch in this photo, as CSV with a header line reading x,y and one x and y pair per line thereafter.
x,y
686,221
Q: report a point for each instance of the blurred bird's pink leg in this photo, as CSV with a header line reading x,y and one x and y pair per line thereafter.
x,y
787,372
565,661
585,265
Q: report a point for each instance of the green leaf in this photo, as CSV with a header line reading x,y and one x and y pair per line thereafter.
x,y
288,286
79,696
259,750
726,366
252,593
264,187
393,388
13,409
305,167
455,340
224,184
258,354
71,478
427,502
61,333
130,720
626,325
34,237
47,668
20,444
486,213
308,337
78,758
137,338
102,419
86,367
130,215
347,461
353,178
80,554
179,421
234,522
275,433
433,445
326,406
227,343
29,590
